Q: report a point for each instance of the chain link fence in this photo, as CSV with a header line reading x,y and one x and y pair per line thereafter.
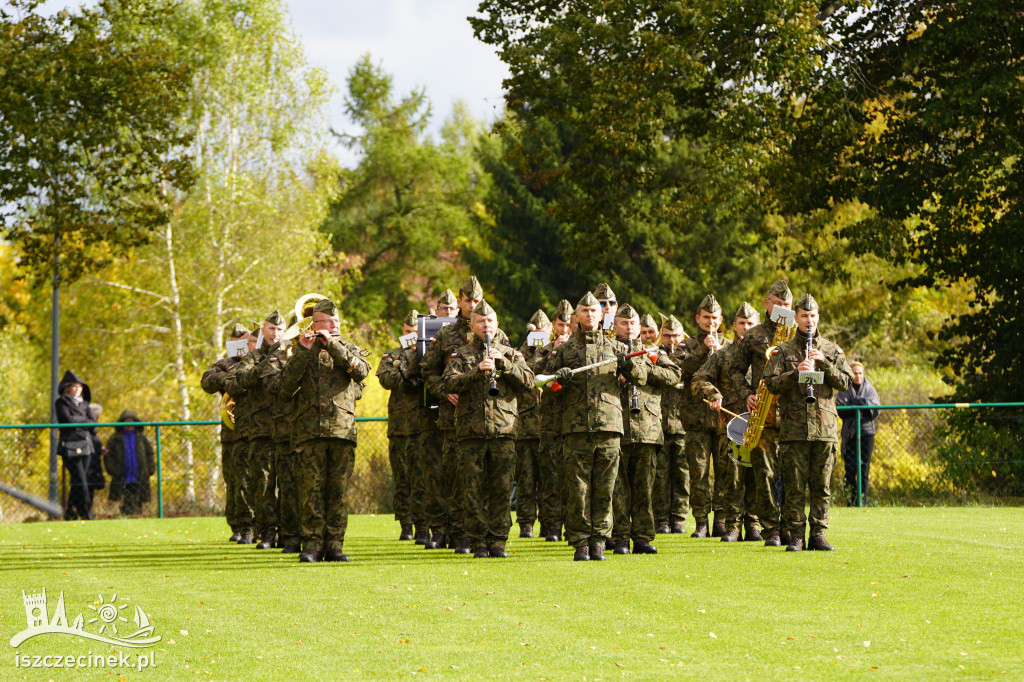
x,y
923,455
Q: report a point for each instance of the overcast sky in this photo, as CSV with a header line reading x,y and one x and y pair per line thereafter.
x,y
421,43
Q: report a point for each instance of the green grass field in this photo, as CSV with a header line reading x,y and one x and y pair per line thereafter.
x,y
911,594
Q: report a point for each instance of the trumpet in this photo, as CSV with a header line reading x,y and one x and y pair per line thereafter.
x,y
304,314
492,390
634,392
809,398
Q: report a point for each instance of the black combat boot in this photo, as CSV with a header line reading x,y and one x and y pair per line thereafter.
x,y
406,533
819,543
678,527
795,545
751,533
335,554
597,552
773,540
422,536
310,556
731,536
718,529
644,547
701,531
463,546
582,553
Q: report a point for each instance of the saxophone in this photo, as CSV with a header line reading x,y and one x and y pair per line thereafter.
x,y
765,399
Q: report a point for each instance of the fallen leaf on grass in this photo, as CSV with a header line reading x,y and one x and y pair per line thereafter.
x,y
712,635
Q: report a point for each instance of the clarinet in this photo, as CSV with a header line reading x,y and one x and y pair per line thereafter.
x,y
634,392
492,390
809,398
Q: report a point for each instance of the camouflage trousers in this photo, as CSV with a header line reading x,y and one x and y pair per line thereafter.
x,y
739,496
593,463
765,461
431,476
528,480
807,473
633,510
451,469
287,496
417,482
552,482
227,461
263,484
400,455
702,448
324,468
236,476
671,481
488,466
719,463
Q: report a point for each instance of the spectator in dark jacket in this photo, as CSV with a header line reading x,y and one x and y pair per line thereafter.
x,y
130,462
861,392
75,445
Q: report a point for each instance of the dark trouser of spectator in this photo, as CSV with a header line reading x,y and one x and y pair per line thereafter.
x,y
79,496
131,502
867,445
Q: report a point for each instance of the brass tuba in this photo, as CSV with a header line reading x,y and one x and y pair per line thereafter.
x,y
304,314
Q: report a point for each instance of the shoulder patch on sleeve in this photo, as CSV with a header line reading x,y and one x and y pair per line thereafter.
x,y
454,354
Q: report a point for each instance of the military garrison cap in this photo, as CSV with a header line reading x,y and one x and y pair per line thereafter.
x,y
411,318
807,302
627,312
564,311
540,320
483,308
471,288
746,312
781,289
447,297
604,291
647,321
672,324
710,304
237,330
275,317
588,300
325,306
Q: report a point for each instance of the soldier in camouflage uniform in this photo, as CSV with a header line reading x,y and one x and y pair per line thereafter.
x,y
672,474
712,383
485,426
609,305
325,375
592,426
808,433
403,426
706,441
289,537
633,509
213,381
262,475
648,331
528,464
745,367
432,367
243,444
553,483
428,473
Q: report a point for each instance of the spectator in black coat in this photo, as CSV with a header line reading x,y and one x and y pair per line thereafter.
x,y
861,392
76,445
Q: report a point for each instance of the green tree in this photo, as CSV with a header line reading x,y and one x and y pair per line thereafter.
x,y
405,212
90,138
646,128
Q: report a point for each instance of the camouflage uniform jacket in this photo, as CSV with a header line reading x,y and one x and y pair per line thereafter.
x,y
325,381
283,405
797,419
695,413
672,399
478,414
258,402
213,382
529,403
448,340
748,360
550,401
405,416
712,382
590,400
646,426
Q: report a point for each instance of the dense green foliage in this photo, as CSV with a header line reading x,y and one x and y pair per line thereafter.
x,y
90,136
406,210
694,611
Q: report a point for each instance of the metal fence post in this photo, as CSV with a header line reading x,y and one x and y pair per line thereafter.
x,y
860,483
159,478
